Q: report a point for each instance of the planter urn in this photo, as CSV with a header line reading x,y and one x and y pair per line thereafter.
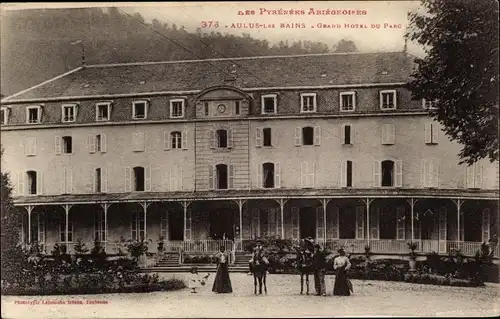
x,y
413,265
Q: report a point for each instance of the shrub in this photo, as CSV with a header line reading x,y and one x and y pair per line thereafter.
x,y
80,248
431,279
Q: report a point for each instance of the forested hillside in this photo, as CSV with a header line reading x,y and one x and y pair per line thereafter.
x,y
37,44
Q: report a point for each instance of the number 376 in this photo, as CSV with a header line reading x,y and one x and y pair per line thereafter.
x,y
210,24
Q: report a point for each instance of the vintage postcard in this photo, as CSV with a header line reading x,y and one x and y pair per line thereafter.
x,y
249,159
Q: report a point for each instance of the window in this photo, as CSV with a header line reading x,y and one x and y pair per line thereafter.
x,y
33,115
266,133
68,113
222,176
30,146
207,113
237,107
268,176
32,182
137,225
474,175
387,173
349,174
307,135
67,144
99,226
308,102
176,139
388,100
429,104
139,110
347,134
138,142
139,179
66,181
269,104
62,230
431,133
97,143
97,180
221,138
430,171
177,108
347,101
4,115
307,170
388,134
103,111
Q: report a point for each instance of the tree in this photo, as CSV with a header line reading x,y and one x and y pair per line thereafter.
x,y
346,46
460,71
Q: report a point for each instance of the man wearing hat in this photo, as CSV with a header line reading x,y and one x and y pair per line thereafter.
x,y
319,266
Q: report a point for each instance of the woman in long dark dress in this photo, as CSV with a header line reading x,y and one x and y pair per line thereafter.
x,y
222,282
341,264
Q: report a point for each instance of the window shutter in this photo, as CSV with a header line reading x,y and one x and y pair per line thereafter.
x,y
298,136
180,178
104,180
352,134
128,179
400,223
343,174
211,138
104,143
320,223
442,229
399,173
377,175
185,140
295,223
256,223
57,145
469,176
172,183
166,141
303,172
312,174
425,173
384,134
147,178
230,182
39,183
31,143
258,137
90,144
335,222
317,135
486,225
277,175
360,222
62,181
138,142
478,173
435,172
211,181
374,223
435,133
69,181
392,133
230,138
260,178
428,133
20,183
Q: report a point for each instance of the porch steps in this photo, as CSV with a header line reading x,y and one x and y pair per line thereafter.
x,y
168,260
241,259
201,268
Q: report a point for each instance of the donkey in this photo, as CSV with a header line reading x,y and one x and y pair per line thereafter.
x,y
258,267
304,265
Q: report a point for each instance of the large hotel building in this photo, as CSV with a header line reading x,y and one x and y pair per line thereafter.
x,y
202,152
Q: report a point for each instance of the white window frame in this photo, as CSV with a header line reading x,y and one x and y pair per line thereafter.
x,y
394,93
64,119
146,105
430,107
275,98
97,105
348,93
39,114
6,113
315,102
183,106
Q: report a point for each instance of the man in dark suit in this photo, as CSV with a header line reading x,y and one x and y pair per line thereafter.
x,y
319,266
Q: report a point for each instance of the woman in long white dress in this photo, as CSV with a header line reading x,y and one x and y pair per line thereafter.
x,y
341,264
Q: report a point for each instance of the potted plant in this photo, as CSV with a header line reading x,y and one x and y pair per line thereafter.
x,y
413,255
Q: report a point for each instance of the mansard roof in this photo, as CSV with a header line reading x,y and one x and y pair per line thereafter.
x,y
313,70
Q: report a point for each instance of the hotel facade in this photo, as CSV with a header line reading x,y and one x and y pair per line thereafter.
x,y
200,153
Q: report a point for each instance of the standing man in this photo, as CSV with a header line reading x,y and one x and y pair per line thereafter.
x,y
319,266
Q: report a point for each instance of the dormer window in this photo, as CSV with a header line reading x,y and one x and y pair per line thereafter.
x,y
429,104
308,102
177,108
103,111
139,110
4,115
33,114
347,101
388,100
68,113
269,104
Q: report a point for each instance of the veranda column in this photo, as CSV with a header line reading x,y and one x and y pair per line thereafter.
x,y
240,206
145,208
325,202
105,207
368,202
459,203
412,203
66,209
282,206
29,208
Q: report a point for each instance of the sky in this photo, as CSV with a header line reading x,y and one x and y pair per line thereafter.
x,y
363,14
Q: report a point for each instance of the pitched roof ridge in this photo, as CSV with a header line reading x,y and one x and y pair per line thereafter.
x,y
235,58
